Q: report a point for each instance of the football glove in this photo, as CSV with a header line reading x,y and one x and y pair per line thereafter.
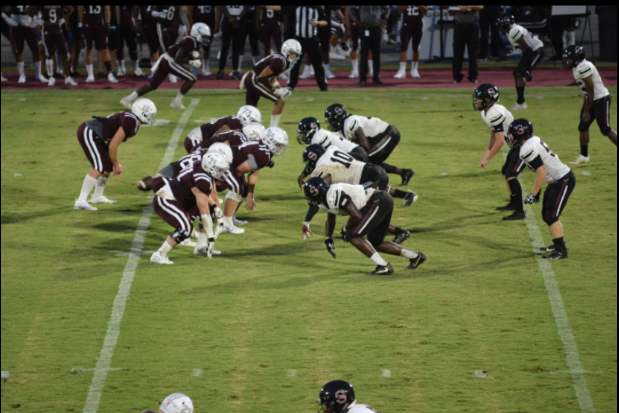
x,y
11,22
330,246
35,22
218,213
283,92
343,233
306,232
195,63
531,199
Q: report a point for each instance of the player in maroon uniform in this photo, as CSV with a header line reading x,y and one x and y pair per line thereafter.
x,y
53,38
100,139
168,23
183,53
175,403
149,32
128,31
93,21
206,15
261,80
268,18
412,29
20,30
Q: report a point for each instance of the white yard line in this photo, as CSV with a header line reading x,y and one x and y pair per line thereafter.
x,y
113,328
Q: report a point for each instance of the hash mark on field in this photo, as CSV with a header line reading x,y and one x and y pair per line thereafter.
x,y
5,375
80,99
368,99
196,372
424,98
540,97
22,99
386,373
18,174
125,253
480,373
78,370
310,99
576,372
292,373
586,173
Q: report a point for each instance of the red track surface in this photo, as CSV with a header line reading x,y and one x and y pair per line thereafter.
x,y
431,78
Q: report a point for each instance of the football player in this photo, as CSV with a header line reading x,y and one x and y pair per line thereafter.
x,y
369,213
268,18
498,118
173,62
245,116
175,403
206,15
338,396
596,104
548,167
412,30
310,132
184,197
532,52
93,21
261,81
100,139
149,33
20,31
377,137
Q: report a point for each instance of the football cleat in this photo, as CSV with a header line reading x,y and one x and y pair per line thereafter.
x,y
40,78
206,72
90,79
160,259
329,74
353,75
557,255
410,198
177,104
51,81
551,248
220,75
83,205
69,81
516,216
111,78
231,229
519,106
580,159
236,75
4,79
22,79
100,75
415,74
188,243
172,79
101,200
403,236
306,73
382,270
126,103
407,174
238,222
400,75
508,207
121,72
138,72
416,262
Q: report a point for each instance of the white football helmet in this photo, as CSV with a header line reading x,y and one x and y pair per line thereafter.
x,y
254,132
276,139
249,114
215,164
202,33
223,149
289,47
176,403
145,110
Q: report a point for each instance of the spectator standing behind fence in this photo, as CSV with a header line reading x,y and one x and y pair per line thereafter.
x,y
466,34
370,23
307,21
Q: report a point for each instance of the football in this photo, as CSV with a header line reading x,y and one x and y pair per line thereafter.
x,y
146,184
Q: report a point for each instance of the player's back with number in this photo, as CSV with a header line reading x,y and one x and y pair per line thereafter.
x,y
341,166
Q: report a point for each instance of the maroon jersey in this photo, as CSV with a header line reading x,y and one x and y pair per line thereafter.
x,y
412,15
192,176
189,44
204,14
277,62
269,17
208,129
52,14
126,120
253,149
172,16
93,15
234,138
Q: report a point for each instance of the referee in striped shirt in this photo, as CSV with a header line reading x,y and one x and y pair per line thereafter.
x,y
307,20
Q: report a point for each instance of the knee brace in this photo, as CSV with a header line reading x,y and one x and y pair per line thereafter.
x,y
583,126
179,235
233,196
606,131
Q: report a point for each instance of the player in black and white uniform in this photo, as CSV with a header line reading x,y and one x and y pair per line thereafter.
x,y
498,118
338,396
548,167
369,213
596,103
310,132
532,52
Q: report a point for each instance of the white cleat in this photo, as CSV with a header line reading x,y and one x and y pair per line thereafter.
x,y
83,205
111,78
176,104
188,243
238,222
160,259
90,79
69,81
329,74
415,74
207,73
400,75
219,229
22,79
121,72
231,229
519,106
336,56
172,79
4,79
580,159
353,75
101,200
138,72
126,103
51,81
41,78
283,77
305,75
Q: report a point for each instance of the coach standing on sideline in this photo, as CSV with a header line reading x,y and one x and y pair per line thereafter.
x,y
307,20
371,35
466,34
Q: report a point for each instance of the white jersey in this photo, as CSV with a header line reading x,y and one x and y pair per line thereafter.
x,y
335,201
371,126
585,69
325,139
361,408
498,118
341,166
517,32
534,147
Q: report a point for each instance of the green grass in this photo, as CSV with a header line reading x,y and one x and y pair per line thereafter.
x,y
272,303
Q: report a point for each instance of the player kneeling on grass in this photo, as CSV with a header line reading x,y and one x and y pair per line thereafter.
x,y
548,167
100,139
175,403
184,197
369,214
173,61
310,132
338,396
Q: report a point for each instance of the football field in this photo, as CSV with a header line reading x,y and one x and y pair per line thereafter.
x,y
483,326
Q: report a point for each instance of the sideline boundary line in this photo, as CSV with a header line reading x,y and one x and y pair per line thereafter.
x,y
104,360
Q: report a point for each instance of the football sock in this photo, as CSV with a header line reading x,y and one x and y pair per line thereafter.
x,y
58,63
133,96
238,69
100,186
559,243
516,198
378,260
37,68
202,238
121,64
165,248
402,66
89,183
275,120
408,254
390,169
136,65
20,68
520,91
205,65
371,67
398,193
108,66
90,70
49,64
327,66
415,65
179,97
584,150
355,65
228,221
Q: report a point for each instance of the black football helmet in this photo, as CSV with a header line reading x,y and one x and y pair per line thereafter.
x,y
311,155
572,56
519,131
307,128
505,21
487,93
335,115
315,190
336,396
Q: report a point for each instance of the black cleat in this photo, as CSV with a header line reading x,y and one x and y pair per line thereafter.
x,y
382,270
557,255
236,75
508,207
410,198
403,236
219,75
551,248
416,262
362,83
101,75
516,216
407,174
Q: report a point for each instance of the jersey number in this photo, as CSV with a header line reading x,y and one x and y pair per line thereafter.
x,y
52,16
94,9
205,9
343,158
270,13
551,153
412,10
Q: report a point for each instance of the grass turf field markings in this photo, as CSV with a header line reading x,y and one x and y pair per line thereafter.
x,y
5,375
386,373
113,329
292,373
481,374
196,372
586,173
125,253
